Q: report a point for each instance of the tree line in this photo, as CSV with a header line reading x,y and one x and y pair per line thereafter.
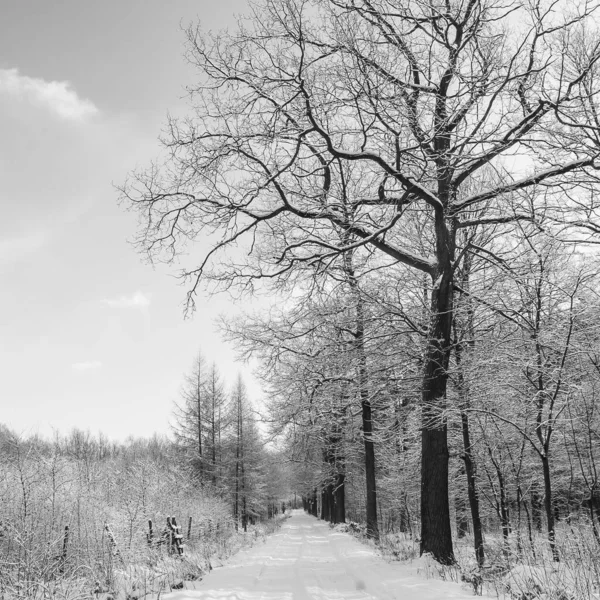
x,y
416,182
217,437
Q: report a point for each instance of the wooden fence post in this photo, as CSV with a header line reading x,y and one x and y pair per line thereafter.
x,y
113,543
150,534
189,536
175,537
63,558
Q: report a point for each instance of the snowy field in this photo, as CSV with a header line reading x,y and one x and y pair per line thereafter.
x,y
307,560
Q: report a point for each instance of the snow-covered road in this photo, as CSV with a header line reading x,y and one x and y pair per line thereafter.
x,y
307,560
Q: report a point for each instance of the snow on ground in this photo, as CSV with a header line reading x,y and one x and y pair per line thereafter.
x,y
308,560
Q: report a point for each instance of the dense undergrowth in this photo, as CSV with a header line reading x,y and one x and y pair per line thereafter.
x,y
516,570
106,498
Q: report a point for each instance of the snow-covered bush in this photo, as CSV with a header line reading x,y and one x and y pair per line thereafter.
x,y
81,484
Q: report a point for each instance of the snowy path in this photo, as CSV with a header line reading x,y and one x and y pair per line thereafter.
x,y
306,560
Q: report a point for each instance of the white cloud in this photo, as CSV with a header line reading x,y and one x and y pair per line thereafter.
x,y
87,365
57,96
137,300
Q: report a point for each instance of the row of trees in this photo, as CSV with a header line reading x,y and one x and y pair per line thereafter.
x,y
520,405
417,181
218,439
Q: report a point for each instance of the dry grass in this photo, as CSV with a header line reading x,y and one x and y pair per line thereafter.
x,y
42,492
511,572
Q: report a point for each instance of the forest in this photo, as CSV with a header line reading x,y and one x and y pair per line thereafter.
x,y
414,185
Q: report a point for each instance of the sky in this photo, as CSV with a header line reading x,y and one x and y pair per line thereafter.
x,y
90,335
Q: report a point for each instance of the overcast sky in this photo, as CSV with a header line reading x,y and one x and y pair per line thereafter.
x,y
90,336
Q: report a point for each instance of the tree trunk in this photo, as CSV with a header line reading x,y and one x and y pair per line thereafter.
x,y
463,392
529,527
199,418
237,493
238,450
372,527
340,499
214,429
242,467
405,524
504,516
460,507
436,532
594,510
472,491
519,520
314,507
548,506
536,507
367,413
